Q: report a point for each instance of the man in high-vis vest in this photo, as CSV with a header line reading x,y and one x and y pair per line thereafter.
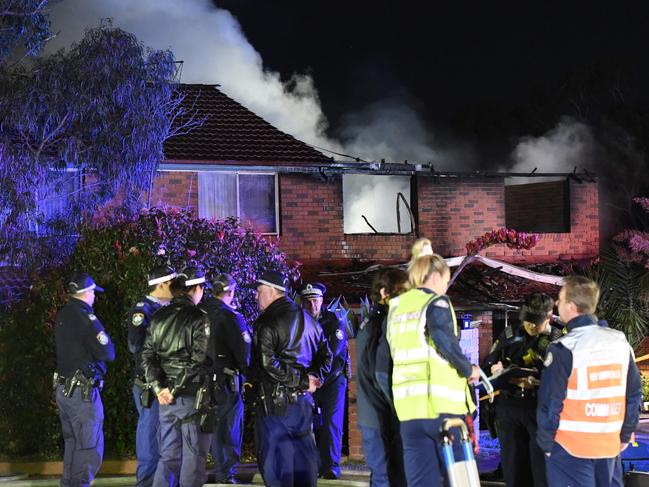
x,y
590,393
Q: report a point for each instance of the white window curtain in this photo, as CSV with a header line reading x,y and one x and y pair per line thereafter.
x,y
217,195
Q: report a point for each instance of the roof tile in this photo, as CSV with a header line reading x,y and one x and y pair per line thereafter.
x,y
233,133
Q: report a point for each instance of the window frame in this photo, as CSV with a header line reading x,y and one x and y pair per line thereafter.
x,y
275,175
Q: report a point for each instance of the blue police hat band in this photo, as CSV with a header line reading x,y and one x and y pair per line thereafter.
x,y
161,279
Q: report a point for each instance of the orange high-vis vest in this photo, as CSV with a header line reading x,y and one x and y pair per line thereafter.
x,y
595,403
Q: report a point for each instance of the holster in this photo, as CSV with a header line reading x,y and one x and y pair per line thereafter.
x,y
233,379
146,393
205,405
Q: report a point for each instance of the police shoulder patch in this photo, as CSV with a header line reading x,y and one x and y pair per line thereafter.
x,y
137,319
246,337
102,338
441,303
92,317
548,359
339,334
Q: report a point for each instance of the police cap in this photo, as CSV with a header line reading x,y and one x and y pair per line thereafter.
x,y
536,309
191,276
223,283
274,279
312,290
160,274
81,282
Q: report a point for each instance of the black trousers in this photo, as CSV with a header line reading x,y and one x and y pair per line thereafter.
x,y
522,460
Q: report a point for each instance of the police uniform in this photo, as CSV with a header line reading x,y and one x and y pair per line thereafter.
x,y
289,346
589,400
515,407
231,341
175,358
330,398
82,348
147,449
429,380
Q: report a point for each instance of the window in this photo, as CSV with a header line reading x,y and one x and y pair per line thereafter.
x,y
252,197
376,204
540,207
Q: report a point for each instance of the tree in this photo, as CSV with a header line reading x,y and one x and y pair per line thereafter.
x,y
117,251
98,112
623,277
23,22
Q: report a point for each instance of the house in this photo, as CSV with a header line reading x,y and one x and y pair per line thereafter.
x,y
237,163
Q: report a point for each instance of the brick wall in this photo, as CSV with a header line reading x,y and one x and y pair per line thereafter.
x,y
455,211
538,207
312,228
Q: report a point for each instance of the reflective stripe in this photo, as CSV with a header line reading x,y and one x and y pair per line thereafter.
x,y
603,393
590,427
595,404
411,390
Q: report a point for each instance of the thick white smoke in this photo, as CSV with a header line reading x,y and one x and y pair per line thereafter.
x,y
568,145
214,49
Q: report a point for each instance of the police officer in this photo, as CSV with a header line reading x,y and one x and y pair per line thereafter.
x,y
175,364
330,398
291,359
231,350
146,438
430,372
82,348
515,407
590,393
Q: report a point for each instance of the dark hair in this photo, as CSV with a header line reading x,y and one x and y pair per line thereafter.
x,y
537,308
392,279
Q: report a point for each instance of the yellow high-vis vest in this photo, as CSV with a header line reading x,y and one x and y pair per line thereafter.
x,y
595,403
424,384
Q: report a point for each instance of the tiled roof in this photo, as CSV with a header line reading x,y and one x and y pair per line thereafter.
x,y
13,284
233,133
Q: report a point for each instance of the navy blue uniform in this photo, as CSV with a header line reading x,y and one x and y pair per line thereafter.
x,y
82,345
423,459
147,449
330,398
375,414
231,355
564,469
522,460
289,346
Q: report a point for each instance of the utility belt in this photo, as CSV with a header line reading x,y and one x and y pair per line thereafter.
x,y
89,387
233,379
519,394
275,399
147,396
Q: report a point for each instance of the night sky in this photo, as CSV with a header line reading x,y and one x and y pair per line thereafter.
x,y
486,72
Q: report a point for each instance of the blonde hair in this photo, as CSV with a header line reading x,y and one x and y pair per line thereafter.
x,y
421,268
420,248
583,292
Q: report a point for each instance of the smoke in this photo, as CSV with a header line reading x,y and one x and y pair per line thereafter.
x,y
214,49
568,145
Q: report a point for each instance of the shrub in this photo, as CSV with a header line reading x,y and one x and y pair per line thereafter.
x,y
117,251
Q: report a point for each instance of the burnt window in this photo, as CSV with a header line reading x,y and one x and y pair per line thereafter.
x,y
542,207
